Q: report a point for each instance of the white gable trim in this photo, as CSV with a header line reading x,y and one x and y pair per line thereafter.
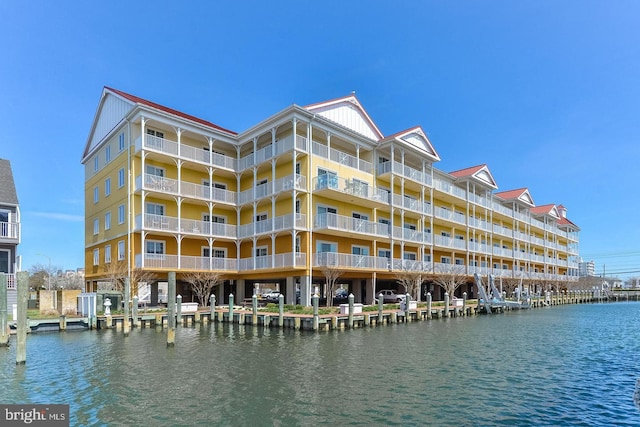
x,y
111,111
348,112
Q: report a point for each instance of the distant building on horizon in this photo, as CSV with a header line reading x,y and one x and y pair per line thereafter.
x,y
302,192
586,268
10,231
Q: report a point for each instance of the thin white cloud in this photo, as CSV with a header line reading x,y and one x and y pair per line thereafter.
x,y
60,216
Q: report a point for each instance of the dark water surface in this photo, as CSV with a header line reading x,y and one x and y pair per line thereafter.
x,y
571,365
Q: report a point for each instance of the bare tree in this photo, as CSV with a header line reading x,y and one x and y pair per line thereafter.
x,y
450,277
43,276
411,281
115,272
331,276
202,282
509,284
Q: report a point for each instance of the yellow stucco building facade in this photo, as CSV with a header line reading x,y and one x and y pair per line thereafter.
x,y
306,188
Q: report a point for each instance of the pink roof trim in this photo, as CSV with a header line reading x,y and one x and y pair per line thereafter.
x,y
511,194
467,171
143,101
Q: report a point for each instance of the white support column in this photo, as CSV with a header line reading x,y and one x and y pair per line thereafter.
x,y
305,290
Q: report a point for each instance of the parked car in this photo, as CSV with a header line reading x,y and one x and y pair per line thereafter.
x,y
271,296
389,296
342,293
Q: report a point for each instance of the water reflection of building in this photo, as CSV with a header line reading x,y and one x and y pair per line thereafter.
x,y
9,228
305,190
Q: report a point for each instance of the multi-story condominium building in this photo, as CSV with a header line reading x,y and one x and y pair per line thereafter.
x,y
305,190
586,268
9,228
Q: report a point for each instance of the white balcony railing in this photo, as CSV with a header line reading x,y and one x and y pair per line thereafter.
x,y
10,231
184,151
162,261
269,225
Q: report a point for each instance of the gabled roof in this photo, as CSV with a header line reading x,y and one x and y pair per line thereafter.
x,y
550,210
521,195
480,174
564,221
349,113
115,105
137,100
8,195
415,138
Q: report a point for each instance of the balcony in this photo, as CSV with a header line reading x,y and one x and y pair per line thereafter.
x,y
184,189
229,265
353,261
338,224
272,225
411,235
269,151
350,190
167,224
186,152
285,260
10,232
449,215
341,157
405,171
411,204
449,188
270,188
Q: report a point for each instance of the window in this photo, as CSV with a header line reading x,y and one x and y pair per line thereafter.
x,y
107,254
261,251
121,178
96,163
411,256
409,226
326,247
154,139
96,194
459,237
107,221
107,154
326,209
297,206
384,253
154,170
216,253
4,260
297,244
154,248
154,208
360,250
261,217
459,261
96,256
107,187
327,179
96,226
121,214
505,267
445,234
445,260
496,265
121,142
120,250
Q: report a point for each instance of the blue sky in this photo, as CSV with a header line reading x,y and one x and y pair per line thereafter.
x,y
544,92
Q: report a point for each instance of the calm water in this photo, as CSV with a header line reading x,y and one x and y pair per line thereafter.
x,y
569,365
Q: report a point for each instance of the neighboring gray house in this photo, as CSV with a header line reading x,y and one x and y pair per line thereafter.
x,y
9,228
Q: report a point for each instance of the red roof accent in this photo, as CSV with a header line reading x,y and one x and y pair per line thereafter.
x,y
468,171
566,221
543,209
511,194
142,101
